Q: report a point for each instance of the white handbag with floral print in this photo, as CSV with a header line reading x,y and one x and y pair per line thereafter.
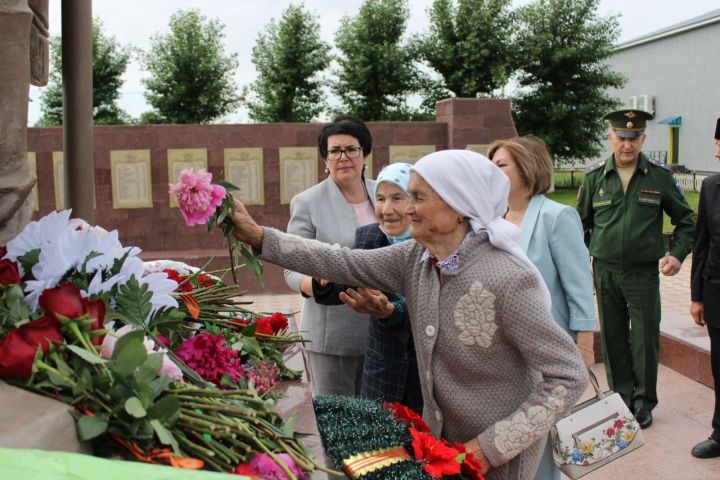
x,y
594,434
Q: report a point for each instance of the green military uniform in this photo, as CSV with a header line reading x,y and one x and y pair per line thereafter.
x,y
624,236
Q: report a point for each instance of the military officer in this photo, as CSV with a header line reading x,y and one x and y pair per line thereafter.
x,y
621,204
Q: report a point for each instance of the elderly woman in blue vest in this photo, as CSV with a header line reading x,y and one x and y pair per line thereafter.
x,y
552,237
390,372
330,212
496,370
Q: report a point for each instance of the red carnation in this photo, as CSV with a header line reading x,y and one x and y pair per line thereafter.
x,y
275,323
437,458
18,348
175,275
408,416
264,326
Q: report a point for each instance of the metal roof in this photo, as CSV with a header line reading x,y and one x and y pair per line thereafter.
x,y
697,22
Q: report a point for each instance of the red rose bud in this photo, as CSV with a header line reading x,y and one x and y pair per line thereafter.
x,y
96,313
17,349
63,300
9,274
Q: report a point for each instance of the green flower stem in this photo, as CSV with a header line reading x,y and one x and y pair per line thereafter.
x,y
214,446
195,450
75,330
299,459
207,418
194,447
222,408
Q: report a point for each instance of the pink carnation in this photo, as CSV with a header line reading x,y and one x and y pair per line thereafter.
x,y
266,467
210,358
197,197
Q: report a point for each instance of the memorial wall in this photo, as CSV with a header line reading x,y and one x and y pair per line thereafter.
x,y
270,163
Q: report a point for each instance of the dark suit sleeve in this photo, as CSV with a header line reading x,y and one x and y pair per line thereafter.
x,y
700,249
330,293
681,217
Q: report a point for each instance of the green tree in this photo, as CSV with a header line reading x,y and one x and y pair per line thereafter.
x,y
563,82
377,69
191,77
288,57
469,44
109,63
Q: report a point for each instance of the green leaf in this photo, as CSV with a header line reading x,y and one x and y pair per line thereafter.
x,y
226,184
129,353
255,265
164,435
133,302
159,385
90,427
134,407
167,409
86,355
150,368
28,261
249,330
252,347
289,428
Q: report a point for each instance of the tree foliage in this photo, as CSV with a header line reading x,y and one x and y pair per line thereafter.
x,y
563,82
376,66
109,63
469,44
288,56
191,77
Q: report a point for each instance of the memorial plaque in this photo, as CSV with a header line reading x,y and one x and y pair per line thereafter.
x,y
181,158
298,171
409,153
59,180
244,169
481,149
131,178
32,160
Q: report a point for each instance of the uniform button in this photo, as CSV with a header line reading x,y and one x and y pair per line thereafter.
x,y
438,415
428,375
429,330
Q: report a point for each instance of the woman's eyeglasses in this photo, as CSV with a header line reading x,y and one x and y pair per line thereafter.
x,y
352,153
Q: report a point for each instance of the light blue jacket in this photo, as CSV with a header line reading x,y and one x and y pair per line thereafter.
x,y
552,237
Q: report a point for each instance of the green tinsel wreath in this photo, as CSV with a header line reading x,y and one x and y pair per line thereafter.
x,y
349,426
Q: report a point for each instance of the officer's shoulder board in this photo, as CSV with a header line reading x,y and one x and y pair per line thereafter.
x,y
659,164
595,166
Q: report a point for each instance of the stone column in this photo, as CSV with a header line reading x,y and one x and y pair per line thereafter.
x,y
18,25
475,121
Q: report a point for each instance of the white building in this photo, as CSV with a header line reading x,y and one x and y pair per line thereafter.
x,y
674,73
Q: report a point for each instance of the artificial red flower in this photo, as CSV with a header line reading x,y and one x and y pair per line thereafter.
x,y
205,280
18,348
63,300
408,416
9,274
471,466
247,470
437,457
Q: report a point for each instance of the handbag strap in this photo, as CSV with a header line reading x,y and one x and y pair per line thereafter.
x,y
595,384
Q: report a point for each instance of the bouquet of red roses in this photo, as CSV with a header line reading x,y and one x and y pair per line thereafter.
x,y
375,441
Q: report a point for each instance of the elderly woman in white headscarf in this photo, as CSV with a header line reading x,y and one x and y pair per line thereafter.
x,y
496,370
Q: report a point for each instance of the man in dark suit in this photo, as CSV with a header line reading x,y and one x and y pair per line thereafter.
x,y
705,289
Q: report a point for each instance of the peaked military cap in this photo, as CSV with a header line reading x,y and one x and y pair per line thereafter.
x,y
628,123
717,130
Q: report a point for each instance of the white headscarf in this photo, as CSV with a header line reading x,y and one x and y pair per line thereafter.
x,y
475,188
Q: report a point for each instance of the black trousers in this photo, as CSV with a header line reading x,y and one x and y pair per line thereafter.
x,y
714,333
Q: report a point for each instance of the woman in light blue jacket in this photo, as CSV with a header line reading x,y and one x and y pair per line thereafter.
x,y
552,237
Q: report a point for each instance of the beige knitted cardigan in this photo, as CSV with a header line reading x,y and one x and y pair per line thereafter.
x,y
493,362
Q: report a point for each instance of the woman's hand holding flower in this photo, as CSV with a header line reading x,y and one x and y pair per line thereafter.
x,y
245,229
473,447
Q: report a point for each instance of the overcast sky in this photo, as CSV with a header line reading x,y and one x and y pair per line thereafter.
x,y
134,22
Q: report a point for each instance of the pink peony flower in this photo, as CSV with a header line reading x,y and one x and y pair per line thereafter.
x,y
197,197
269,470
210,358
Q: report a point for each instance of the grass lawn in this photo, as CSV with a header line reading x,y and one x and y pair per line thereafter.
x,y
568,197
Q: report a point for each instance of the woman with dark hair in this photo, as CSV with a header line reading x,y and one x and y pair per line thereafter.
x,y
331,211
